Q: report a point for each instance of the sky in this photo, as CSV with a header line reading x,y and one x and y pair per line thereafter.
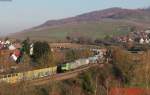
x,y
17,15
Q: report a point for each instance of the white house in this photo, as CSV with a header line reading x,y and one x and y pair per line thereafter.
x,y
141,41
147,41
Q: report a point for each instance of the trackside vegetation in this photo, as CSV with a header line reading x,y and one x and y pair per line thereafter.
x,y
126,69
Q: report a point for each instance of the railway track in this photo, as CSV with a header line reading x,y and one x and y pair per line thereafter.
x,y
61,76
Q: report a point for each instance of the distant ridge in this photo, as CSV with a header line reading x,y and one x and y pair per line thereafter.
x,y
103,22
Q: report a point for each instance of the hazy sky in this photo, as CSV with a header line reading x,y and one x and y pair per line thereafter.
x,y
22,14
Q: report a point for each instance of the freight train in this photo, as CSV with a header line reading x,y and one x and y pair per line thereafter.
x,y
35,74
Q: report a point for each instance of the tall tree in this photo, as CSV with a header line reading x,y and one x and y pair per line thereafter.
x,y
26,45
41,53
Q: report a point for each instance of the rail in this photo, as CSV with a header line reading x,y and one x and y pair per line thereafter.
x,y
44,73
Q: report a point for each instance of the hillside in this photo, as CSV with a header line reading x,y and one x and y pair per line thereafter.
x,y
97,24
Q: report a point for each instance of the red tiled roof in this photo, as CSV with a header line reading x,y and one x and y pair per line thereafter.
x,y
129,91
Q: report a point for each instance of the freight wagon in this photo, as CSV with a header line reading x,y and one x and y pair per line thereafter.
x,y
29,75
98,58
72,65
77,63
